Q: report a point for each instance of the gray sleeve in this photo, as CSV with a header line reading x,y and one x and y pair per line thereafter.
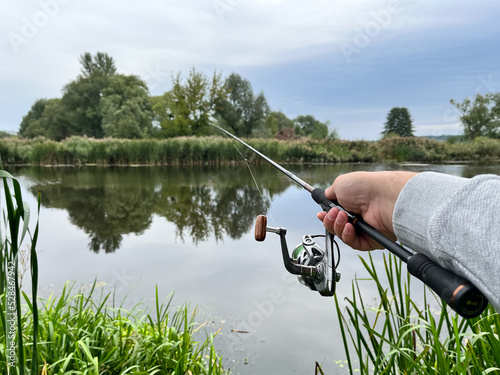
x,y
456,222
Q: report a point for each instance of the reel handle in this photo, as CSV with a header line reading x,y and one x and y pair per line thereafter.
x,y
260,228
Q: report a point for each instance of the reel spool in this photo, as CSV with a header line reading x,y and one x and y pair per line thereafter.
x,y
308,253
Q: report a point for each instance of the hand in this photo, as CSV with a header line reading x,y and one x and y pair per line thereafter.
x,y
371,194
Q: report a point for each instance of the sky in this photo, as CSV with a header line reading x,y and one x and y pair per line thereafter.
x,y
347,62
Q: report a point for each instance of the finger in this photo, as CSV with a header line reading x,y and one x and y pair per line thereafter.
x,y
321,215
340,222
350,238
349,235
329,220
330,193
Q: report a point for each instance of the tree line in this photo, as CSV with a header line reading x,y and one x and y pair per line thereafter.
x,y
102,103
480,117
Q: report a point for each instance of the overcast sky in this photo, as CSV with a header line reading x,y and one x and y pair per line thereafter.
x,y
343,61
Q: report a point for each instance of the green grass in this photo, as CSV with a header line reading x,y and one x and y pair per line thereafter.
x,y
81,333
213,150
397,337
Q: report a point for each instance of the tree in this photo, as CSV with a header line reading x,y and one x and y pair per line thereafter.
x,y
189,107
310,127
399,122
98,103
125,108
58,125
46,118
33,123
241,111
480,117
275,122
100,65
82,97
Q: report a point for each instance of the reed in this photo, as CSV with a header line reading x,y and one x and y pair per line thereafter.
x,y
397,337
14,230
212,150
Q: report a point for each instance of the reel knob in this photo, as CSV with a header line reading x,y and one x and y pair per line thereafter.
x,y
260,228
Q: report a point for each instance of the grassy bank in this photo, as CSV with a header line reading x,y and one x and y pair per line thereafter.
x,y
81,150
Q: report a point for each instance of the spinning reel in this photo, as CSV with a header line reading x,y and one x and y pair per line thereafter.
x,y
316,268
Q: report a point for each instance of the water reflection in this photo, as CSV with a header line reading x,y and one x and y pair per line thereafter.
x,y
202,202
110,203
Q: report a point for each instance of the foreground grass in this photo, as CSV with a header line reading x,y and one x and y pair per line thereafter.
x,y
110,151
398,337
80,334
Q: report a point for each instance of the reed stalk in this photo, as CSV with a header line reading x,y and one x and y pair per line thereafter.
x,y
397,337
16,220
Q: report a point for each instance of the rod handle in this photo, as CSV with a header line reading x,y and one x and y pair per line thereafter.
x,y
457,292
326,204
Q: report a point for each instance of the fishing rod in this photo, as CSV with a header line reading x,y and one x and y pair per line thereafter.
x,y
316,268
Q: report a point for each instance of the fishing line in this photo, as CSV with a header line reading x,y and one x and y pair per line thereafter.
x,y
253,177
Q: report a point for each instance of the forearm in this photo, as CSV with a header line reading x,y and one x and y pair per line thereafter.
x,y
454,221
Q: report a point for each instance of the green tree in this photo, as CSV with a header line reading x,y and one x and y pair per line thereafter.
x,y
99,65
46,118
399,122
58,125
125,108
188,108
241,111
275,122
33,123
98,103
82,97
310,127
480,116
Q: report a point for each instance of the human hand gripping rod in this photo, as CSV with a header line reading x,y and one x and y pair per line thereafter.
x,y
460,294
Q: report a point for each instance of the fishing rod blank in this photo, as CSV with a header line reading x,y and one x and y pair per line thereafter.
x,y
460,294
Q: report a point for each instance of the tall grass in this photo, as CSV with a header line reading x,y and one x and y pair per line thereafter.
x,y
212,150
16,220
398,337
81,333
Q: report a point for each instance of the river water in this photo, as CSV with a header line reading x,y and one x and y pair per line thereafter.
x,y
189,230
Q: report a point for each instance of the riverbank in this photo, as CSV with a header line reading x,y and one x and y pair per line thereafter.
x,y
214,150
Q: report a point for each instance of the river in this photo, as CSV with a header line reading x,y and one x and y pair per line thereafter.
x,y
190,230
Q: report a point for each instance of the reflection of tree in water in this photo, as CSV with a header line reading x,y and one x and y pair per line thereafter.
x,y
200,212
110,203
104,213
